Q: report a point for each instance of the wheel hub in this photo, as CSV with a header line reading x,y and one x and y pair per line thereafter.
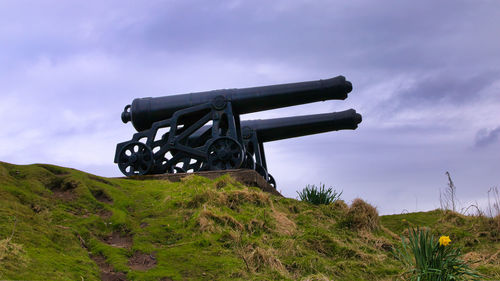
x,y
133,158
224,153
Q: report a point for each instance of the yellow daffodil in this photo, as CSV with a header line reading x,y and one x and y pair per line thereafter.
x,y
444,240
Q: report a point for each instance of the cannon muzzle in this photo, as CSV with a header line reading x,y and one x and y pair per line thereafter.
x,y
143,112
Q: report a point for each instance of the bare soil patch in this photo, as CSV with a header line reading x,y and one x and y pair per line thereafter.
x,y
65,195
142,261
118,240
105,214
107,271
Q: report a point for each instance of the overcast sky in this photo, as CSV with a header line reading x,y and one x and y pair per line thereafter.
x,y
425,74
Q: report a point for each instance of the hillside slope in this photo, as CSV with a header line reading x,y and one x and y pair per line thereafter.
x,y
62,224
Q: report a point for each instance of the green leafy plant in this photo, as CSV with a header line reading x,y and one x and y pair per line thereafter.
x,y
431,259
321,195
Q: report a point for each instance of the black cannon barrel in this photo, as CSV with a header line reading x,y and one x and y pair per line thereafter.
x,y
145,111
290,127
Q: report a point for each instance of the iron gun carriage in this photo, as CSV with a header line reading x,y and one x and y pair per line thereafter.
x,y
202,131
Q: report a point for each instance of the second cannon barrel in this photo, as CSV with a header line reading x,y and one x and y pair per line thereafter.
x,y
297,126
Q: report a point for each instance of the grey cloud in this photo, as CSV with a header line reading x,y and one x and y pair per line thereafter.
x,y
349,35
361,34
451,88
486,137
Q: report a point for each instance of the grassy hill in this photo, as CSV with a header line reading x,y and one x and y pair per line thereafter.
x,y
62,224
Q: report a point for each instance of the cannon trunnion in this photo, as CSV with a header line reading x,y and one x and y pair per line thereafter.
x,y
202,131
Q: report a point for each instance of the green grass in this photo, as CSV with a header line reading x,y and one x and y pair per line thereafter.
x,y
53,220
399,223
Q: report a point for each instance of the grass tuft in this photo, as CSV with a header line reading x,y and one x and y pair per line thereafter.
x,y
260,259
361,216
209,221
12,251
319,195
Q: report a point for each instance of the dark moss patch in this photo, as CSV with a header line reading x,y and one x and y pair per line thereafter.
x,y
63,187
108,273
62,184
17,174
101,195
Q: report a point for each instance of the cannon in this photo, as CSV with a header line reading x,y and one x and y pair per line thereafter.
x,y
202,131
